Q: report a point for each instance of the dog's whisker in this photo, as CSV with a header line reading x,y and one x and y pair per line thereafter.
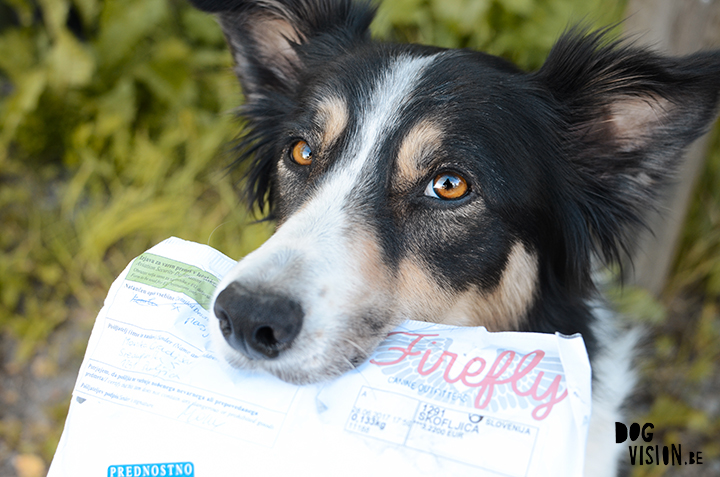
x,y
363,352
355,367
213,231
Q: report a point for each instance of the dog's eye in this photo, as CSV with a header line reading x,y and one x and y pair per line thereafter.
x,y
301,153
448,186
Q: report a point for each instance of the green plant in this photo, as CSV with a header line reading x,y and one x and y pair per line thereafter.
x,y
115,120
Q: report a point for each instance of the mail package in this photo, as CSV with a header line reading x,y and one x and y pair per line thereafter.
x,y
153,399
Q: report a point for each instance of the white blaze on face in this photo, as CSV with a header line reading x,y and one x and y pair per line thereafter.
x,y
324,258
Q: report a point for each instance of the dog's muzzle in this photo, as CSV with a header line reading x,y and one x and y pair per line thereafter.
x,y
258,325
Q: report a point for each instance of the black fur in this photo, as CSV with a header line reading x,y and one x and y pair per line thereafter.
x,y
550,162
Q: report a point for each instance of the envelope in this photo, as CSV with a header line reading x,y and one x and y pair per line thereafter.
x,y
153,399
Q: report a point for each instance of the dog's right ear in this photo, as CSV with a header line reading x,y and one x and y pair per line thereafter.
x,y
266,36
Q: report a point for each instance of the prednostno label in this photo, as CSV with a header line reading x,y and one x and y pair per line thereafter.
x,y
174,469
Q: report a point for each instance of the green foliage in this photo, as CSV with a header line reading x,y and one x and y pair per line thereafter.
x,y
638,303
683,372
680,372
114,122
522,31
111,139
698,261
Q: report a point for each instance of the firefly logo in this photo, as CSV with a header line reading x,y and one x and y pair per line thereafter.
x,y
649,454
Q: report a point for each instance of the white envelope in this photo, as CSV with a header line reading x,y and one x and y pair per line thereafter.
x,y
152,399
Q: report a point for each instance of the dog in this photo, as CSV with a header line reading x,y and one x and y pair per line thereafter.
x,y
442,185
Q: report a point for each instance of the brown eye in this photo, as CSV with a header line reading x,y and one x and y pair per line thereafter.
x,y
447,186
301,153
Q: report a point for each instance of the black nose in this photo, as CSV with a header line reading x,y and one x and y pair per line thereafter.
x,y
259,325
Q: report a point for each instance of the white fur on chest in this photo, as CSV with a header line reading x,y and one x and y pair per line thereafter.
x,y
613,382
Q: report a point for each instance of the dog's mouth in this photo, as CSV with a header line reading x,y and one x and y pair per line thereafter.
x,y
299,317
270,333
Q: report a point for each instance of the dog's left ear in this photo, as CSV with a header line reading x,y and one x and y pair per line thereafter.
x,y
270,41
628,115
265,36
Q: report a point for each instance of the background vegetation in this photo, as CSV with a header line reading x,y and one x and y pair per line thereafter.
x,y
114,122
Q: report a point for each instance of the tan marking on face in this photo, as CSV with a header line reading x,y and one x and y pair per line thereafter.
x,y
501,309
367,252
422,141
369,301
419,296
505,307
375,282
333,116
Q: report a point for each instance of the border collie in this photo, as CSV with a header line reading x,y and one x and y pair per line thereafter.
x,y
442,185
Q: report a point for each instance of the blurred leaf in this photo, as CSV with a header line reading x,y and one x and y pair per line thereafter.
x,y
202,27
698,258
70,63
167,74
639,304
123,24
23,101
115,109
519,7
89,10
669,412
55,14
24,10
17,53
396,13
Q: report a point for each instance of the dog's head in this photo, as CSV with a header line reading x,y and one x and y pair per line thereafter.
x,y
431,184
